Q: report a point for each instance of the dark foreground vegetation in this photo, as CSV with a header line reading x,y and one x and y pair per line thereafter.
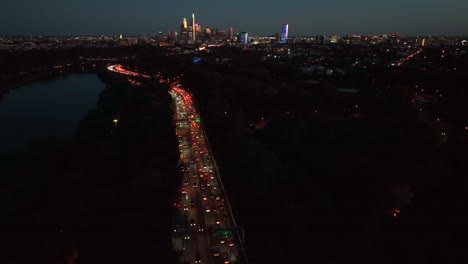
x,y
103,196
322,186
313,174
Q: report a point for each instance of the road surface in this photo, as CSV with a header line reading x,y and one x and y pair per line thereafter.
x,y
204,229
204,220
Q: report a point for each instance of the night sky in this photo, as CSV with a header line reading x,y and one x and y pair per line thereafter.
x,y
305,17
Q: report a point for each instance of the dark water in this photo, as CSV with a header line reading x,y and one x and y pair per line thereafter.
x,y
50,108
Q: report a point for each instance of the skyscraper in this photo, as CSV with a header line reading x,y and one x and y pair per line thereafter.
x,y
193,28
284,33
244,38
184,30
231,33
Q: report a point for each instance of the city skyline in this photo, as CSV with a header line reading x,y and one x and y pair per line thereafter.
x,y
259,18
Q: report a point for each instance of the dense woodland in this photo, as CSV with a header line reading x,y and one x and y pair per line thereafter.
x,y
320,186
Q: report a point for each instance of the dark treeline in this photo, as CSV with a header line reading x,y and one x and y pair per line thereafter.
x,y
321,186
26,60
103,196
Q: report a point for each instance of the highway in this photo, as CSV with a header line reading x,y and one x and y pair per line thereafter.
x,y
204,229
204,220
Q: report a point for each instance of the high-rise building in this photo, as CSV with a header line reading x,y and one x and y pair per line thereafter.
x,y
198,28
207,31
334,39
231,33
193,28
284,33
244,38
320,39
184,30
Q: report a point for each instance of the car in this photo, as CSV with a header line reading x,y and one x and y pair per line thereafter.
x,y
215,252
208,183
197,258
207,208
222,240
214,209
192,222
195,185
184,191
194,175
185,208
204,198
218,222
200,229
221,207
187,237
218,198
231,243
226,259
186,182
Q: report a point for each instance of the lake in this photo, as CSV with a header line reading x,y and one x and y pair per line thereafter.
x,y
46,108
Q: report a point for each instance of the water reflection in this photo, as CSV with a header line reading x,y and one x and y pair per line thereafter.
x,y
50,108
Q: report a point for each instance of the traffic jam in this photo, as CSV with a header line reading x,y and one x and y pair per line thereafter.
x,y
202,222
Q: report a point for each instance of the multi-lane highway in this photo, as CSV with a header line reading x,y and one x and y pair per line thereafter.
x,y
204,229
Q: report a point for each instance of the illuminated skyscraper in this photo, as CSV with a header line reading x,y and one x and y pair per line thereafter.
x,y
284,33
193,28
184,30
231,33
244,38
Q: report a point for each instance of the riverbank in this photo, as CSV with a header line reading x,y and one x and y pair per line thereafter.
x,y
106,190
13,81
